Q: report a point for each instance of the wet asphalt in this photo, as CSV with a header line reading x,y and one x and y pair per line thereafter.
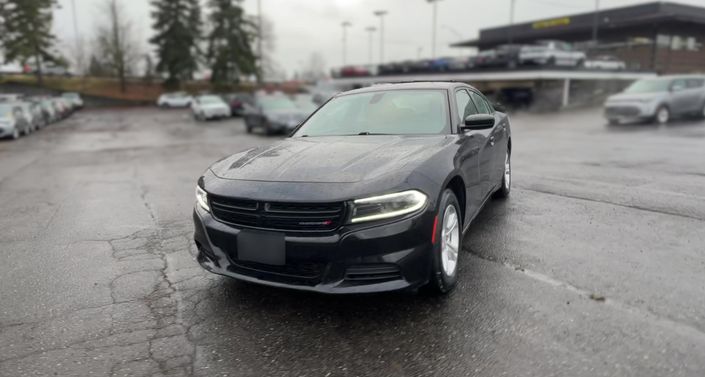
x,y
594,267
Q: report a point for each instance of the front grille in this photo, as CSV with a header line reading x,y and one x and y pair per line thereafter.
x,y
301,217
373,273
623,111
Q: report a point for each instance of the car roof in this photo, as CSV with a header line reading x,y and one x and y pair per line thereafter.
x,y
445,85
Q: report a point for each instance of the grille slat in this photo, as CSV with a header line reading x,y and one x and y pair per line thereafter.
x,y
302,217
367,273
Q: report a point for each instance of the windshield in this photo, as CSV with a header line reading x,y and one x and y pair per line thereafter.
x,y
277,103
394,112
210,100
649,86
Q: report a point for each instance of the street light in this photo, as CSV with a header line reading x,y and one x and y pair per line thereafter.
x,y
345,26
371,30
596,22
433,32
381,14
512,6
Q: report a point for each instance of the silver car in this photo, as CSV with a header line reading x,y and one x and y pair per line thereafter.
x,y
13,122
658,99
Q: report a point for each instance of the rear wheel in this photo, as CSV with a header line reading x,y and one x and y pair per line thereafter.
x,y
446,251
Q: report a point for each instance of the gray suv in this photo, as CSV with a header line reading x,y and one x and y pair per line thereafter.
x,y
658,99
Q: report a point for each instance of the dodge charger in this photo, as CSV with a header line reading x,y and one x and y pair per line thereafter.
x,y
373,192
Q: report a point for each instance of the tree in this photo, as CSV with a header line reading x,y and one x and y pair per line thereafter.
x,y
230,42
177,25
116,44
26,34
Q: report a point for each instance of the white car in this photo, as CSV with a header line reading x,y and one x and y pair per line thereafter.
x,y
551,53
177,99
209,107
606,62
74,98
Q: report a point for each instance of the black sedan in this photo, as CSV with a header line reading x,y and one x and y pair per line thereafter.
x,y
273,113
372,193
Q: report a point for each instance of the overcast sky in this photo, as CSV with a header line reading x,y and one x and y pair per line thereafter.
x,y
303,27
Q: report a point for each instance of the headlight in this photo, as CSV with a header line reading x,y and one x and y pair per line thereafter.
x,y
387,206
202,199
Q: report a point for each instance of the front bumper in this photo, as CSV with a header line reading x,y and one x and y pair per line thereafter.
x,y
630,111
368,258
6,130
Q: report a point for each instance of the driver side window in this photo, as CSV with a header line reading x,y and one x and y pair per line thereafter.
x,y
465,105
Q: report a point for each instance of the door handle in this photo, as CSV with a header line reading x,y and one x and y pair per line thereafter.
x,y
491,141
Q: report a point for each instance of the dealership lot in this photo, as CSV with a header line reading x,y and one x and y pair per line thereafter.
x,y
594,266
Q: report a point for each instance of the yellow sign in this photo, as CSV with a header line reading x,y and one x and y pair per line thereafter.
x,y
563,21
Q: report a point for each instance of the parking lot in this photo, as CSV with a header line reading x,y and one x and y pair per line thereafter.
x,y
593,267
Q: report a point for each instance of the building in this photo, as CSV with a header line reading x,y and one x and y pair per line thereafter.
x,y
663,37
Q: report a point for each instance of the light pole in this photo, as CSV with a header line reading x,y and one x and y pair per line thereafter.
x,y
512,6
371,30
260,69
596,22
433,31
381,14
345,26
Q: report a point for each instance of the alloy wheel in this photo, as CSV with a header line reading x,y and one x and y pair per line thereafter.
x,y
663,115
450,240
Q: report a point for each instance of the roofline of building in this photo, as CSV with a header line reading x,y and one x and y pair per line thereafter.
x,y
660,10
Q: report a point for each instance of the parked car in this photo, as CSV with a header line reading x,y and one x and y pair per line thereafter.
x,y
551,53
354,71
305,103
38,118
606,62
74,98
273,114
13,122
61,107
207,107
505,56
658,99
48,110
373,193
176,99
11,97
459,64
31,115
237,102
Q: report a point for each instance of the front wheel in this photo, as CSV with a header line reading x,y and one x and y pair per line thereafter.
x,y
504,190
663,115
448,240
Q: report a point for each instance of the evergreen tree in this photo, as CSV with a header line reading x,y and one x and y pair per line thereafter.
x,y
177,25
230,41
27,35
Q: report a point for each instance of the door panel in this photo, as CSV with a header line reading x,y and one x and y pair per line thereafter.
x,y
487,151
470,145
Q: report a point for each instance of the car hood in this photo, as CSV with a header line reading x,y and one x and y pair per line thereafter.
x,y
345,159
635,97
213,106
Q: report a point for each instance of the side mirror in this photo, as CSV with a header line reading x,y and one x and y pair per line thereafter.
x,y
478,122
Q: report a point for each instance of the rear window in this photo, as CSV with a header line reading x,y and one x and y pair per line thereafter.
x,y
392,112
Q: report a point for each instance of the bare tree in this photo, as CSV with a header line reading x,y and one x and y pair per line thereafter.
x,y
116,43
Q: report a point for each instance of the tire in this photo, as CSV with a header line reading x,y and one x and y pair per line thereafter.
x,y
613,122
663,115
580,64
551,62
506,187
444,270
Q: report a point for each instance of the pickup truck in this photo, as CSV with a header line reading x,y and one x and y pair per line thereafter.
x,y
551,53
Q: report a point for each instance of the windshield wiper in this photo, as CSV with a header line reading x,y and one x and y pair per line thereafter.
x,y
367,133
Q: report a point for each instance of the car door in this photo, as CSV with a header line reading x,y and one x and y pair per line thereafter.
x,y
469,151
679,96
694,87
487,151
